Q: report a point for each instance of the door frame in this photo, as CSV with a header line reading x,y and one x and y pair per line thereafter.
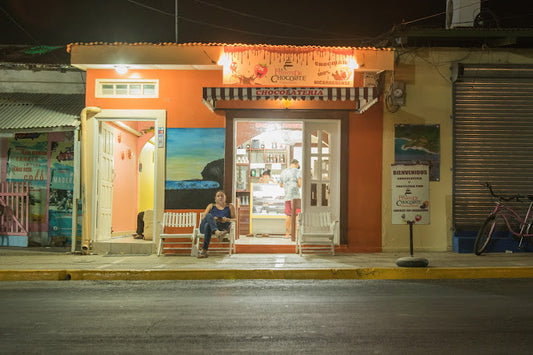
x,y
333,127
159,119
296,115
98,180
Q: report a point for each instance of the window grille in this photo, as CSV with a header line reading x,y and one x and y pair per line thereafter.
x,y
127,89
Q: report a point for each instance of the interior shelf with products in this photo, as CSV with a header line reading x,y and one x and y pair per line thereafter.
x,y
252,158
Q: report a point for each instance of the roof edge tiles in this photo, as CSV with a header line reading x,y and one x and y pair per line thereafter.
x,y
198,44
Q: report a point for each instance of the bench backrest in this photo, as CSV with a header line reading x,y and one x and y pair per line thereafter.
x,y
179,219
316,220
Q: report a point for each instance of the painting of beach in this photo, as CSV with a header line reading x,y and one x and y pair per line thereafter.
x,y
194,167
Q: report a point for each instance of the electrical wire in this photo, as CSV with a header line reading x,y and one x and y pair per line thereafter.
x,y
264,18
18,25
357,38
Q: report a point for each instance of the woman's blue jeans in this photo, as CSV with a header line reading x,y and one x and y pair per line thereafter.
x,y
208,226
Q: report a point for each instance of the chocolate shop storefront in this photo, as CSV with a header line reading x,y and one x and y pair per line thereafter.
x,y
167,125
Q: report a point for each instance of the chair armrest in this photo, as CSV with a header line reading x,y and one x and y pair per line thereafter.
x,y
333,226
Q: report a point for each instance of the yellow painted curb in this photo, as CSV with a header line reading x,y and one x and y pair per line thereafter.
x,y
289,274
33,275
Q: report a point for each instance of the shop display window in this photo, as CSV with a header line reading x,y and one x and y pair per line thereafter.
x,y
262,146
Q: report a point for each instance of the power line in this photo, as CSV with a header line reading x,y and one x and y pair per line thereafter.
x,y
264,18
150,8
18,25
357,38
265,34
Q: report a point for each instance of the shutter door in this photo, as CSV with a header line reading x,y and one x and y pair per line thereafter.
x,y
493,139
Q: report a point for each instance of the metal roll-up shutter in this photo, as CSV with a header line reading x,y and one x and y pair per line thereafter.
x,y
493,139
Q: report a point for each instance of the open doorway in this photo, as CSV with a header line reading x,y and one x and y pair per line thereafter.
x,y
263,149
125,179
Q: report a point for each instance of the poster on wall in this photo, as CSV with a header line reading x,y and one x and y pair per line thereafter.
x,y
61,191
195,167
418,144
410,194
27,160
282,66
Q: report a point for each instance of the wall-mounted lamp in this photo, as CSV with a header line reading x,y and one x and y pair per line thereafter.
x,y
286,102
352,63
226,61
121,69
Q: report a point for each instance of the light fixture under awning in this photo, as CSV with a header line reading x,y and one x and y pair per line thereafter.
x,y
363,97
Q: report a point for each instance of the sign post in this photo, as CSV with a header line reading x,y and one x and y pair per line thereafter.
x,y
410,203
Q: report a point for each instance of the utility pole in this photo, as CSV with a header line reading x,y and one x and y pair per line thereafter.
x,y
176,18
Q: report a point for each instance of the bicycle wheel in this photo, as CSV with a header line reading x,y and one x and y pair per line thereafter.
x,y
485,234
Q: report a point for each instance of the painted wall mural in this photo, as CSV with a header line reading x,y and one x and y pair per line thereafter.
x,y
46,160
418,144
27,160
61,191
194,167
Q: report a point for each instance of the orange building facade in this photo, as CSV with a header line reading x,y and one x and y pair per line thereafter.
x,y
182,100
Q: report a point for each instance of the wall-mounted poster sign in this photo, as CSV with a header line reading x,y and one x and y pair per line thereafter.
x,y
288,66
418,144
161,137
410,194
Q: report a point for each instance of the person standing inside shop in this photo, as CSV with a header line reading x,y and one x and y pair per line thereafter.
x,y
291,181
266,177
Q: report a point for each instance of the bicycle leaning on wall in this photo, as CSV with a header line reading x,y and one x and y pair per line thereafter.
x,y
504,217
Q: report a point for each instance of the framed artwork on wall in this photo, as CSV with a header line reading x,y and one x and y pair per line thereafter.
x,y
418,144
194,167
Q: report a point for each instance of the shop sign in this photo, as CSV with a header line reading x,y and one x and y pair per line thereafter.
x,y
290,92
410,194
275,66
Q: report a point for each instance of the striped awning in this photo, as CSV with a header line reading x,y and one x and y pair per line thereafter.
x,y
363,97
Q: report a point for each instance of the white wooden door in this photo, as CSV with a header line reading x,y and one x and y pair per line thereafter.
x,y
321,167
104,197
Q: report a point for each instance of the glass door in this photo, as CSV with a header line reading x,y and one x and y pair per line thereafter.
x,y
321,167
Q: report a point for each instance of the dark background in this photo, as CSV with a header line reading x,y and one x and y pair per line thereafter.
x,y
309,22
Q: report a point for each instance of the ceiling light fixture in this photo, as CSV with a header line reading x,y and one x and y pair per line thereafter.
x,y
121,69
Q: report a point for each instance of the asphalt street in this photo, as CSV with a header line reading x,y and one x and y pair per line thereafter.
x,y
485,316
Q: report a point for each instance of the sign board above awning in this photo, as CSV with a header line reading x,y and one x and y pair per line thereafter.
x,y
286,65
363,97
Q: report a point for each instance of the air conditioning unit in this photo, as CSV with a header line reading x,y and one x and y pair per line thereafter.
x,y
461,13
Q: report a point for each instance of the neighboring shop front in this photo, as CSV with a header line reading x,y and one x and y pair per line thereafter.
x,y
224,114
38,155
478,103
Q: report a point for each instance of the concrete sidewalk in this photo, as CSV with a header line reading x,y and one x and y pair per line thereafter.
x,y
17,264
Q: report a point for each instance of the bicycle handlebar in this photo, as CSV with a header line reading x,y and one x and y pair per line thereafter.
x,y
516,197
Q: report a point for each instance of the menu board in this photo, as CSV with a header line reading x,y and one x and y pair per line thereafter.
x,y
410,194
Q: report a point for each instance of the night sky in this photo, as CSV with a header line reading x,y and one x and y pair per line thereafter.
x,y
309,22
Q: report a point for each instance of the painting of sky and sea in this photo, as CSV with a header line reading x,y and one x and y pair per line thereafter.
x,y
194,167
418,144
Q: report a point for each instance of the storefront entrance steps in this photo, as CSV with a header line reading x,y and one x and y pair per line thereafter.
x,y
124,246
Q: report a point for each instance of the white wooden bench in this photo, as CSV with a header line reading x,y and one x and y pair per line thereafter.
x,y
178,241
217,246
316,232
